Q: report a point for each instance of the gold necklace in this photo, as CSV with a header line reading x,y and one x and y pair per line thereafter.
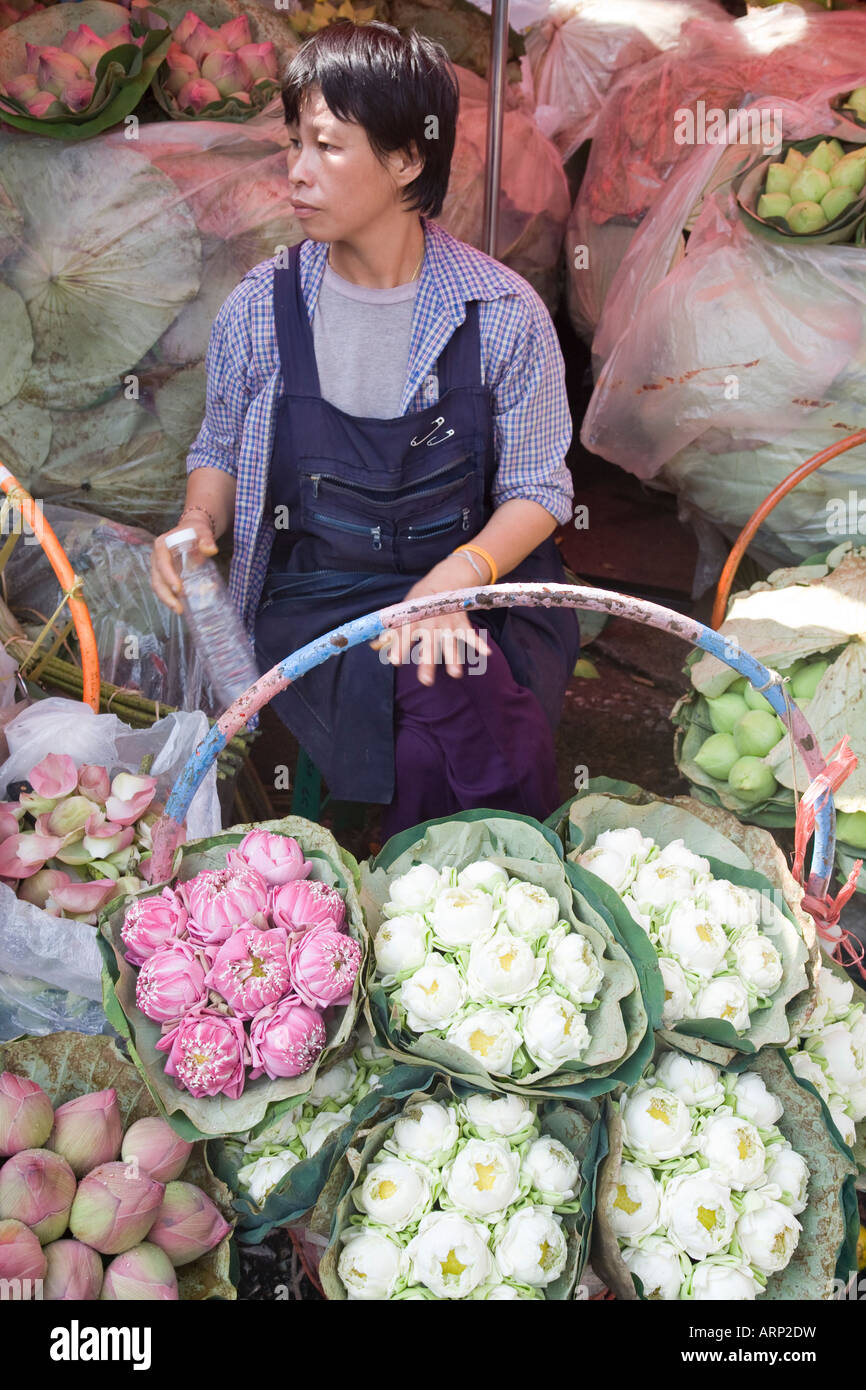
x,y
411,278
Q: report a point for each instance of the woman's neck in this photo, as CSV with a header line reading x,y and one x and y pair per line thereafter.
x,y
380,259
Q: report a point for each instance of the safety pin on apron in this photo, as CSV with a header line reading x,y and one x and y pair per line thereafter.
x,y
428,438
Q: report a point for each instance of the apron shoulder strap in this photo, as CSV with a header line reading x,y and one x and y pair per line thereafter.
x,y
294,333
460,360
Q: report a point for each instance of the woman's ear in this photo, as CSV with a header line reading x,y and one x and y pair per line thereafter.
x,y
405,165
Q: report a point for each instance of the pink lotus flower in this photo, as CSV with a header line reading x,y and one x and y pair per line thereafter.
x,y
170,983
235,32
181,69
259,61
57,774
130,797
151,923
324,964
21,1255
38,889
93,780
85,45
113,1210
26,1115
87,1130
285,1038
23,855
207,1053
225,70
142,1274
278,858
301,905
81,899
218,900
196,95
250,970
188,1224
152,1144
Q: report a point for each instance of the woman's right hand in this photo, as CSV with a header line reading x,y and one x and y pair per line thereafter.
x,y
164,577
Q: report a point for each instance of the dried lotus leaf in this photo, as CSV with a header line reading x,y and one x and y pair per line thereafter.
x,y
16,344
838,707
25,438
180,403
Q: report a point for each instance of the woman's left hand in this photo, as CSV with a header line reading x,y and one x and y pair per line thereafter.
x,y
442,641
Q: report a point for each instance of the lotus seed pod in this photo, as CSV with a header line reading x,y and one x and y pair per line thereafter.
x,y
159,1152
752,780
114,1209
725,710
26,1115
144,1273
806,217
88,1130
73,1272
773,205
717,756
37,1187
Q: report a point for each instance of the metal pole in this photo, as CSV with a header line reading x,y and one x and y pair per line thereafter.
x,y
495,113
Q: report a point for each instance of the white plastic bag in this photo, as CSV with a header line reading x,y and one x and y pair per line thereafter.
x,y
44,958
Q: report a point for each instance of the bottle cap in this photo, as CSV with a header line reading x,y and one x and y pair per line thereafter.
x,y
177,538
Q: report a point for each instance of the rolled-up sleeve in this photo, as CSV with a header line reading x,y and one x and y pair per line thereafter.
x,y
532,421
218,442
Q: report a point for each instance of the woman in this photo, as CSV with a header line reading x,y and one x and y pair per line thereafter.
x,y
386,418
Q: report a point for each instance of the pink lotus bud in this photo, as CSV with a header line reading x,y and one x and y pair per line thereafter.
x,y
93,780
301,905
21,1255
114,1208
285,1038
188,1224
202,41
37,1187
235,32
323,965
32,52
88,1130
130,797
278,858
88,47
186,28
151,923
250,969
181,69
55,70
26,1115
259,61
196,95
23,86
122,34
143,1274
69,815
207,1053
80,899
107,838
154,1146
225,71
170,983
73,1273
38,889
242,97
22,856
218,900
79,95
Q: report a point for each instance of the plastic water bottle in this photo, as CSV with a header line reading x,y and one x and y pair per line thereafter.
x,y
217,632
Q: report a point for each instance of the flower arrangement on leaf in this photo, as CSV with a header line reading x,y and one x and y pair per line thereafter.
x,y
216,73
715,959
239,967
485,961
830,1052
706,1200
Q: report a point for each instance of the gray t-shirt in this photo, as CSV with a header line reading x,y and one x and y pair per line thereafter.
x,y
361,337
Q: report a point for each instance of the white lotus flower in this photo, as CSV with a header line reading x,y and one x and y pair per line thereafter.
x,y
658,886
734,1150
552,1170
482,873
401,944
694,1081
262,1175
696,1209
834,992
450,1255
427,1132
505,1292
731,905
628,842
724,1279
657,1263
697,941
805,1066
858,1040
633,1206
369,1263
656,1124
574,965
677,992
323,1125
676,854
433,995
758,963
483,1178
503,1117
752,1100
554,1031
491,1036
768,1232
531,1247
635,912
724,997
502,968
337,1083
838,1050
529,910
608,864
843,1122
857,1102
461,916
393,1193
790,1172
414,890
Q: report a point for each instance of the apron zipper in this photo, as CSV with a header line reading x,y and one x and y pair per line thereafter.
x,y
415,533
318,478
374,531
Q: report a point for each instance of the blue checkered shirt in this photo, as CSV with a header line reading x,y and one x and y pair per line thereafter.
x,y
521,362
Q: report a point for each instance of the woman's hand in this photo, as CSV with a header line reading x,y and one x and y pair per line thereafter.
x,y
444,640
164,578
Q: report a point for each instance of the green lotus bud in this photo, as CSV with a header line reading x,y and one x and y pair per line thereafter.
x,y
850,172
851,828
805,683
779,179
153,1144
37,1187
88,1130
835,149
794,161
114,1208
738,687
806,217
836,201
142,1274
755,734
755,700
857,102
73,1274
809,186
752,780
725,710
188,1224
773,205
821,158
717,755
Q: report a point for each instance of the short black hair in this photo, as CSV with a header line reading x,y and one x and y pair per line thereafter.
x,y
391,84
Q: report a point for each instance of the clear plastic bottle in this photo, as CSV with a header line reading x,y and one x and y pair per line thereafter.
x,y
217,632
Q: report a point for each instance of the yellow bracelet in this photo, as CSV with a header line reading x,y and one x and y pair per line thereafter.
x,y
476,550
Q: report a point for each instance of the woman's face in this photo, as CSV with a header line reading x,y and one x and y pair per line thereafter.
x,y
334,173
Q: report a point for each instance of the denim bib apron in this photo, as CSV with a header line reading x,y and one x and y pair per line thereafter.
x,y
370,506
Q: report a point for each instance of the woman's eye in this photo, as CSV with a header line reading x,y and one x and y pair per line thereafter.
x,y
323,145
